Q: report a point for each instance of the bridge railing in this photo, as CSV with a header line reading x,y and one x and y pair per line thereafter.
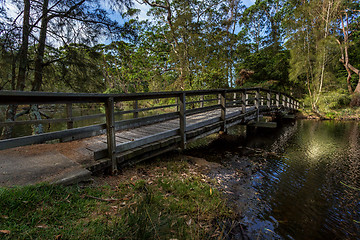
x,y
177,105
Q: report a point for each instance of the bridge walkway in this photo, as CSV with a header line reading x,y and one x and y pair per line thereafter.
x,y
90,150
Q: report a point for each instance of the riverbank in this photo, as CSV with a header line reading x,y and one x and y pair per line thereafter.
x,y
346,114
161,199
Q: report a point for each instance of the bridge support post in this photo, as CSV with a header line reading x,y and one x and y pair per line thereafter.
x,y
110,133
223,111
182,106
268,98
277,100
70,123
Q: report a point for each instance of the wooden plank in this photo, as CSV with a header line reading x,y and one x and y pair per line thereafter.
x,y
203,123
166,126
122,139
132,135
146,140
201,110
132,123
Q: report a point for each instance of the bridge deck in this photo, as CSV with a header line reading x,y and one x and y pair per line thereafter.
x,y
55,162
136,139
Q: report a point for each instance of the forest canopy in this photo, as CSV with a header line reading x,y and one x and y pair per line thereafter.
x,y
309,48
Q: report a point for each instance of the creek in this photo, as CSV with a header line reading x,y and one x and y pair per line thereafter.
x,y
308,184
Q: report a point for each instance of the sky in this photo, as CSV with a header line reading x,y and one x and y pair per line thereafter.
x,y
144,8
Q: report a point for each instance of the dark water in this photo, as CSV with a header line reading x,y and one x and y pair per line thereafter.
x,y
311,189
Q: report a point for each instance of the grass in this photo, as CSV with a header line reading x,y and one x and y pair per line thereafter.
x,y
161,200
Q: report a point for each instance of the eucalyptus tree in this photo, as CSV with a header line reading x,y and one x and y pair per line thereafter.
x,y
313,47
48,24
202,39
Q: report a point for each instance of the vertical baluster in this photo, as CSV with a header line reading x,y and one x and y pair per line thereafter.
x,y
136,107
69,115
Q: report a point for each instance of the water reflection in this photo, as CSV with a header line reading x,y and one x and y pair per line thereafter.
x,y
310,192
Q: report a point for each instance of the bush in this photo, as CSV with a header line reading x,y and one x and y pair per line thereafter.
x,y
334,100
355,100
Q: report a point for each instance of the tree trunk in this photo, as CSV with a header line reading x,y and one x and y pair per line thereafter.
x,y
24,47
39,60
23,61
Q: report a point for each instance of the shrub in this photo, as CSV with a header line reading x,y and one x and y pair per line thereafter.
x,y
355,100
334,100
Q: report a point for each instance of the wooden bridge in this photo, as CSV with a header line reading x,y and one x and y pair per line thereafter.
x,y
187,115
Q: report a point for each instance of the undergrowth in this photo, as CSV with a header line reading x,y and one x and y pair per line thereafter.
x,y
168,202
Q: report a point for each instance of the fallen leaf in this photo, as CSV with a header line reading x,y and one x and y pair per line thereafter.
x,y
42,226
58,237
189,222
5,231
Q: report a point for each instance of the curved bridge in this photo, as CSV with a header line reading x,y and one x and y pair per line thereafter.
x,y
189,116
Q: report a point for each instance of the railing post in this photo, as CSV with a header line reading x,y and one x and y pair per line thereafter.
x,y
243,101
223,110
288,102
110,132
135,107
257,96
277,99
182,101
268,97
202,101
219,98
70,122
283,101
234,101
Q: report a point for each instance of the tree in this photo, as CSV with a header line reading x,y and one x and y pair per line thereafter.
x,y
349,19
313,48
65,22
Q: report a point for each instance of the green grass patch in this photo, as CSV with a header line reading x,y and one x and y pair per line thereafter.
x,y
167,202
